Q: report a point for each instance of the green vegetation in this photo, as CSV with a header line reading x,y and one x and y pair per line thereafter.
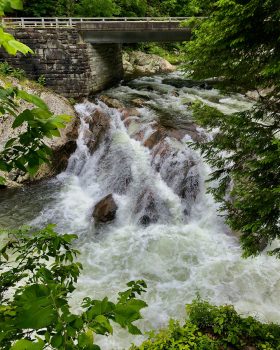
x,y
239,44
214,328
7,70
38,273
172,52
123,8
42,80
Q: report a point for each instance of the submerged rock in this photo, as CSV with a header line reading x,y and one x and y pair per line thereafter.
x,y
147,207
105,210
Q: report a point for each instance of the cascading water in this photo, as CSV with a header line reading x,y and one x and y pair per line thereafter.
x,y
166,229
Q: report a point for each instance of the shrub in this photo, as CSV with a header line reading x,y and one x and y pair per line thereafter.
x,y
42,80
38,274
211,327
6,69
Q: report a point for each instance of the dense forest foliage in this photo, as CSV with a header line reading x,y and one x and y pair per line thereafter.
x,y
239,43
129,8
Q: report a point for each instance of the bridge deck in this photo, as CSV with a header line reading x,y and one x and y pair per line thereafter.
x,y
65,22
112,29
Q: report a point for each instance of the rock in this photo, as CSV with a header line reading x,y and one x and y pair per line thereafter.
x,y
62,146
105,210
257,94
130,121
111,102
188,83
99,124
147,208
137,63
162,150
155,138
138,102
130,112
187,129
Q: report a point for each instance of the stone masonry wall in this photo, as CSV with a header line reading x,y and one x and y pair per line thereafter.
x,y
70,66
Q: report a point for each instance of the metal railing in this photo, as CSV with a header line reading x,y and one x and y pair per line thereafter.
x,y
63,22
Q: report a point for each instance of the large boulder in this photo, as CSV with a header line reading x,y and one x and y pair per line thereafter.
x,y
138,63
105,210
62,146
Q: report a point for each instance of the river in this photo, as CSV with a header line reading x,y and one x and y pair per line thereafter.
x,y
185,249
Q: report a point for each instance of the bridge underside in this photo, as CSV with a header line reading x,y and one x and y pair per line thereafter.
x,y
132,32
106,37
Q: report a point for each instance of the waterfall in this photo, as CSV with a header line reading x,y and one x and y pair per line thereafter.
x,y
167,230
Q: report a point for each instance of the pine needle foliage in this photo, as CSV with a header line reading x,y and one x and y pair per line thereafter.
x,y
239,43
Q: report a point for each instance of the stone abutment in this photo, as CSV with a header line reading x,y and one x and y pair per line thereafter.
x,y
71,67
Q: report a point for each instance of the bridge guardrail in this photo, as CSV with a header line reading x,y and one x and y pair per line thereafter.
x,y
63,22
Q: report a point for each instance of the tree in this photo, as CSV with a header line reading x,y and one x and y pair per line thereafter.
x,y
97,8
48,8
239,43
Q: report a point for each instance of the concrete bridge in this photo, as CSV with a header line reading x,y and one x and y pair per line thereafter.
x,y
82,55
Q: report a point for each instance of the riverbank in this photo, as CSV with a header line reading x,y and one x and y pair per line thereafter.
x,y
62,147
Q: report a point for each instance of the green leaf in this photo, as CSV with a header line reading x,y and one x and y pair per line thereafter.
x,y
56,340
10,142
133,329
3,165
18,46
103,325
26,115
24,344
37,101
85,339
35,308
2,180
16,4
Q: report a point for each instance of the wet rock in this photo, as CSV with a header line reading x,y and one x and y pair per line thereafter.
x,y
161,151
99,124
188,129
147,208
105,210
111,102
130,121
155,138
130,112
138,102
145,220
180,83
177,134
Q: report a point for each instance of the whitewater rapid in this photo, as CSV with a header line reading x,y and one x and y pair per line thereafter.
x,y
179,256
